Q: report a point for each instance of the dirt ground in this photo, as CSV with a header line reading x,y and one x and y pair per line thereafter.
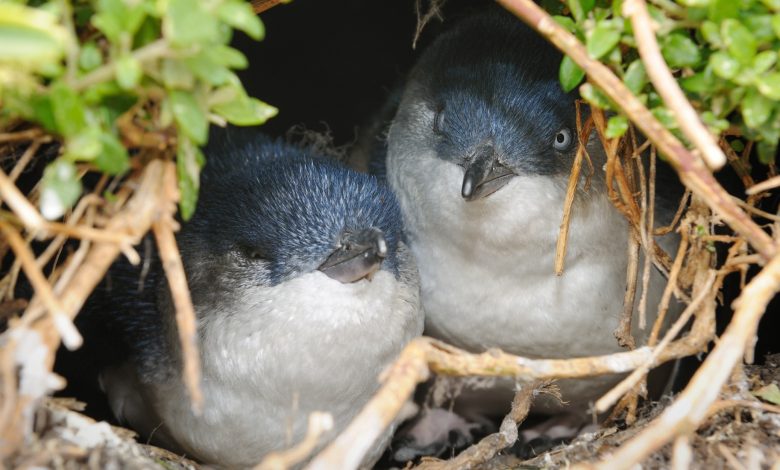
x,y
736,437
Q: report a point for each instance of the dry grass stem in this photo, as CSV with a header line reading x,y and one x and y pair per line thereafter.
x,y
479,454
771,183
666,85
682,454
185,312
28,134
625,385
690,408
63,324
29,216
319,424
661,231
623,331
571,191
27,157
260,6
691,169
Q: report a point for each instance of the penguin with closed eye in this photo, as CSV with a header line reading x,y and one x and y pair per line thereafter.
x,y
303,290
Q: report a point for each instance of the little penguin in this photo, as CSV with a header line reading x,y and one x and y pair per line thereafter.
x,y
303,290
479,154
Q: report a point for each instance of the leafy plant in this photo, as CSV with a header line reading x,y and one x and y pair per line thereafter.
x,y
104,74
724,54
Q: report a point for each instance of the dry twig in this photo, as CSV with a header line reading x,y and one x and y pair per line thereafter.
x,y
691,407
319,424
666,86
692,170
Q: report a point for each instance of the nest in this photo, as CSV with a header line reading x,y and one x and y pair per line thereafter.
x,y
717,418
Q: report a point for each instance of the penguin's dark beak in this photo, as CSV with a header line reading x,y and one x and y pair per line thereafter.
x,y
358,256
484,174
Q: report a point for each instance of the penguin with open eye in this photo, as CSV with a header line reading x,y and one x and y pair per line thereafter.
x,y
479,155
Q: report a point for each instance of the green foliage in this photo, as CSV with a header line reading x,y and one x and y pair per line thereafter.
x,y
724,54
76,66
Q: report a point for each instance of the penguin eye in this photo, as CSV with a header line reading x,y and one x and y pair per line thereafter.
x,y
253,253
563,139
438,121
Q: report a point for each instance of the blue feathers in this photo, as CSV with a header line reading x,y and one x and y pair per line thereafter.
x,y
485,86
283,206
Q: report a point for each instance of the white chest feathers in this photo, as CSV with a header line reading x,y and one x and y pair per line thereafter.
x,y
277,354
487,266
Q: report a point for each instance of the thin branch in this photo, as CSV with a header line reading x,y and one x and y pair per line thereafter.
x,y
771,183
691,407
571,191
28,134
260,6
606,401
27,156
666,86
32,220
479,454
691,169
319,424
152,51
67,331
185,312
623,331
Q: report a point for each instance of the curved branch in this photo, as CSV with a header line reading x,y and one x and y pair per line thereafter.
x,y
692,171
667,86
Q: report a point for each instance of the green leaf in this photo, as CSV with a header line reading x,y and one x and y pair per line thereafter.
x,y
776,24
755,108
739,41
43,112
719,10
189,161
566,22
68,110
60,188
84,146
724,65
27,47
635,77
665,117
772,4
737,145
769,393
128,72
570,74
189,116
245,111
760,26
764,61
602,39
580,8
187,23
239,14
680,51
90,57
176,74
698,83
208,70
769,85
695,3
113,157
711,33
117,17
595,96
227,56
616,126
767,151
